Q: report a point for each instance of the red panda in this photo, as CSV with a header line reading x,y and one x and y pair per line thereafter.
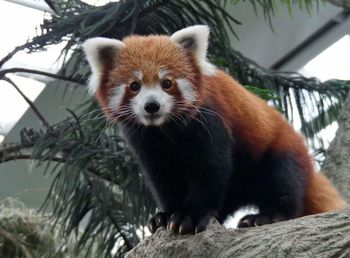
x,y
205,144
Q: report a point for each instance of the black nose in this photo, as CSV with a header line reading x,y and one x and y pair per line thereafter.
x,y
152,107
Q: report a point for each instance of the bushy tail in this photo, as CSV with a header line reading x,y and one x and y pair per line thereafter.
x,y
321,196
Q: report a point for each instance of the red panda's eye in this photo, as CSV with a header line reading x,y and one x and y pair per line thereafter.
x,y
166,84
135,86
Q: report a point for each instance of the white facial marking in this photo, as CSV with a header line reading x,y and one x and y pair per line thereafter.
x,y
162,73
138,74
117,97
187,91
146,94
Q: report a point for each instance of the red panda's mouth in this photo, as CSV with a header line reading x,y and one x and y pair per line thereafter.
x,y
153,116
153,120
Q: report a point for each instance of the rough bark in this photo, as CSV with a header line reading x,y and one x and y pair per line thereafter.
x,y
321,235
337,163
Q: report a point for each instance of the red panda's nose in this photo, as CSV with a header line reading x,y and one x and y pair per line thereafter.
x,y
152,107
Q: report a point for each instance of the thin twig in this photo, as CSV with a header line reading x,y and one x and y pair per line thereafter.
x,y
28,156
30,103
32,71
12,53
4,157
13,148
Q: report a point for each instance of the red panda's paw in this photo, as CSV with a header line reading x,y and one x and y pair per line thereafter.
x,y
181,223
160,219
254,220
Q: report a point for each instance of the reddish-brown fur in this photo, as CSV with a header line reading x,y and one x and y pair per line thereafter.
x,y
260,127
256,125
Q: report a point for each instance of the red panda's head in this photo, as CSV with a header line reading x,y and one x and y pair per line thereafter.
x,y
149,80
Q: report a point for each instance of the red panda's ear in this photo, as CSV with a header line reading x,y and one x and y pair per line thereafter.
x,y
101,53
195,39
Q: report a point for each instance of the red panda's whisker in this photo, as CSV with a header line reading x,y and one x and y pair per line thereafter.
x,y
92,112
180,118
135,128
208,111
102,131
201,122
173,117
129,119
96,118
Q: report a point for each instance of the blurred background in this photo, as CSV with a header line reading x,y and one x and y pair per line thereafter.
x,y
311,38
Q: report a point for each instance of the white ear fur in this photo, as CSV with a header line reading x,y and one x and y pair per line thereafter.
x,y
99,52
196,39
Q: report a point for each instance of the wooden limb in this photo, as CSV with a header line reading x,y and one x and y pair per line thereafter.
x,y
321,235
32,71
30,103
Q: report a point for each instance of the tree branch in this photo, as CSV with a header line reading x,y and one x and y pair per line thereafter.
x,y
320,235
30,103
51,75
12,149
13,52
28,156
14,152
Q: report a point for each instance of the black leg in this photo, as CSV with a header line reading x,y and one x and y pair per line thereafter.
x,y
277,190
204,198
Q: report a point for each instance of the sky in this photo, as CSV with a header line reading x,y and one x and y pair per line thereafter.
x,y
334,62
15,31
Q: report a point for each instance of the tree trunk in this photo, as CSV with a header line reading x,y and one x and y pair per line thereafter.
x,y
337,163
321,235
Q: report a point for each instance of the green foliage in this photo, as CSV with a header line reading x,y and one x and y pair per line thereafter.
x,y
310,94
96,179
262,93
271,8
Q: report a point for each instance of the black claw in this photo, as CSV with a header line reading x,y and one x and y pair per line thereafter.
x,y
186,226
152,225
262,220
244,224
257,220
181,223
174,222
157,221
246,221
161,219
